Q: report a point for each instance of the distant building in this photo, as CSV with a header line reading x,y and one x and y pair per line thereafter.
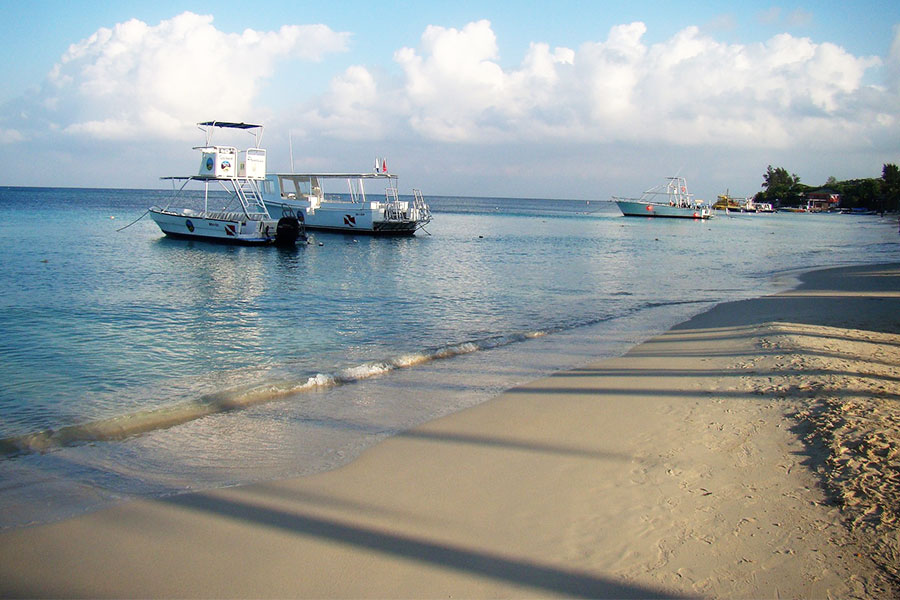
x,y
822,201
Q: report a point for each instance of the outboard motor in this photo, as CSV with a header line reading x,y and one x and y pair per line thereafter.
x,y
289,229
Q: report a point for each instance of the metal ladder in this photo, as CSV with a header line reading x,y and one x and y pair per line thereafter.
x,y
392,210
421,208
248,193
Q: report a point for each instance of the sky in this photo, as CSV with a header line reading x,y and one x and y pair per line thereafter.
x,y
564,99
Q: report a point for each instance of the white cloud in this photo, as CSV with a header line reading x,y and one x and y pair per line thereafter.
x,y
456,90
353,108
455,81
618,101
688,90
156,80
10,136
138,79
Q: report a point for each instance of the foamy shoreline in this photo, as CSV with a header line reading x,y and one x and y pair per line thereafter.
x,y
705,462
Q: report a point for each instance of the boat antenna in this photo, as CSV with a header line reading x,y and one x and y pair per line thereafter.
x,y
291,146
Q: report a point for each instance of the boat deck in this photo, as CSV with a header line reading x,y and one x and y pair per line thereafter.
x,y
231,216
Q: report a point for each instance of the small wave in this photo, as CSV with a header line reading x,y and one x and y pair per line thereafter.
x,y
674,303
124,426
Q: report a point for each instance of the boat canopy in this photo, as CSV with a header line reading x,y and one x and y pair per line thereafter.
x,y
337,175
209,126
228,125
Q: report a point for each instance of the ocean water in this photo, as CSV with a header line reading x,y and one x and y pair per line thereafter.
x,y
133,365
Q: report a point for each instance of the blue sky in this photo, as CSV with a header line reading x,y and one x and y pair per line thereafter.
x,y
565,99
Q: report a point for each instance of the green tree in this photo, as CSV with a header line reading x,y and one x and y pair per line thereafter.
x,y
860,193
890,187
781,187
869,194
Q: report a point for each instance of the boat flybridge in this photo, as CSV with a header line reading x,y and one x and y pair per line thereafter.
x,y
229,206
380,213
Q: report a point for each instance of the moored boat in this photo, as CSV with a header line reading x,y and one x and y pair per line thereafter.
x,y
229,206
758,207
353,211
670,199
728,203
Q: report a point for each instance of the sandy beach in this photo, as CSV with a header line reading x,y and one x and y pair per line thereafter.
x,y
751,452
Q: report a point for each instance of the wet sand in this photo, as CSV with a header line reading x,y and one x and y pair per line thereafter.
x,y
749,452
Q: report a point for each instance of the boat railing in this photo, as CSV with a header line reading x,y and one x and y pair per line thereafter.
x,y
393,211
234,216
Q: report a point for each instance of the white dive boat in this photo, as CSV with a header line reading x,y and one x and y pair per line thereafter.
x,y
759,207
665,200
352,211
229,206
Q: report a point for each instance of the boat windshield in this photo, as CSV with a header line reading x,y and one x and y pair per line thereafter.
x,y
298,186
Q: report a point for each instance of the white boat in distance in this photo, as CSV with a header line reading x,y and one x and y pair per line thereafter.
x,y
354,211
238,216
671,199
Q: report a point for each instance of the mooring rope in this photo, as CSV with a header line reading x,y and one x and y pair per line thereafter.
x,y
135,221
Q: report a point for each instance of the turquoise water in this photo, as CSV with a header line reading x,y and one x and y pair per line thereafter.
x,y
136,365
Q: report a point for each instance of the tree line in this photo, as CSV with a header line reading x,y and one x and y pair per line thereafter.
x,y
882,194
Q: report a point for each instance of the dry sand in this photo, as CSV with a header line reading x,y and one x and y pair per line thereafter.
x,y
750,452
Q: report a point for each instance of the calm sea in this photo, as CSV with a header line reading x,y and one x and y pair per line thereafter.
x,y
135,365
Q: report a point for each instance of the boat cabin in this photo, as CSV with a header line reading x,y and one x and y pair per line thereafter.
x,y
309,187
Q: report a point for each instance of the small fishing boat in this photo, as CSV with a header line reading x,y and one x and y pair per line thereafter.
x,y
670,199
229,206
380,213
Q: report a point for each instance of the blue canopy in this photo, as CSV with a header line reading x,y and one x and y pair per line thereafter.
x,y
228,125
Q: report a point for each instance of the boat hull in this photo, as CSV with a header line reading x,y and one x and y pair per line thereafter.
x,y
191,224
653,209
346,219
